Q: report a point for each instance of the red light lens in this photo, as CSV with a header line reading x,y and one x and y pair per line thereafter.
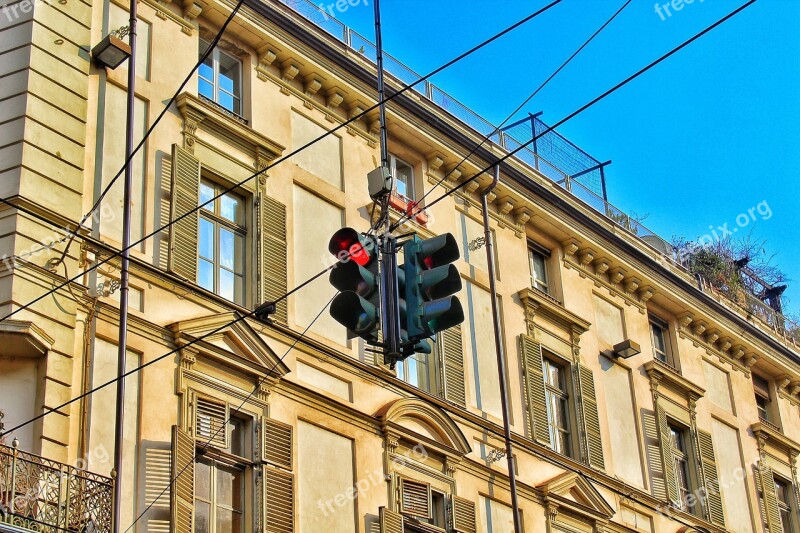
x,y
428,262
358,254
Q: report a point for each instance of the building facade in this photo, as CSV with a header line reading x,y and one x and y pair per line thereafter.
x,y
239,425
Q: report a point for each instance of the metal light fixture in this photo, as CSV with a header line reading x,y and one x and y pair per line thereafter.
x,y
627,348
111,51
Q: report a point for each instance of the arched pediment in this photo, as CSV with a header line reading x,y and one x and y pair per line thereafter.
x,y
412,417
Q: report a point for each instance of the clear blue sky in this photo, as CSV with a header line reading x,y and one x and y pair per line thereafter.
x,y
700,139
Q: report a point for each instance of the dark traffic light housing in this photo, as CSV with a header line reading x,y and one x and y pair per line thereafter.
x,y
356,276
430,281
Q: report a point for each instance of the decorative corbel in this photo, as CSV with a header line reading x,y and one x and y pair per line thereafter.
x,y
261,162
490,197
335,96
289,70
616,274
684,319
570,247
454,172
188,358
552,511
472,186
522,215
699,328
794,388
725,344
711,336
631,284
391,442
737,352
645,293
192,9
435,161
783,381
312,84
601,266
750,360
449,467
264,389
585,257
266,56
374,125
191,119
357,109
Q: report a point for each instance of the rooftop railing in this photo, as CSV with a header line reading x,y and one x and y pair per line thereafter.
x,y
559,150
38,494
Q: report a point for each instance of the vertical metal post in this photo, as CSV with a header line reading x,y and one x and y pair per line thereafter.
x,y
381,88
533,136
603,182
124,270
501,356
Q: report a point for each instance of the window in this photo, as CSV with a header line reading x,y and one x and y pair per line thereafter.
x,y
659,334
538,263
403,177
423,504
784,492
680,457
220,478
557,398
763,398
221,242
418,370
221,79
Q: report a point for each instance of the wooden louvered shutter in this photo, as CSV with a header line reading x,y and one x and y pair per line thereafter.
x,y
278,480
536,409
709,464
463,515
183,212
390,521
654,461
182,490
771,510
210,423
415,498
272,270
163,198
453,360
591,419
665,442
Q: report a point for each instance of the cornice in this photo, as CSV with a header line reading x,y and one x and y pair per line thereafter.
x,y
661,373
766,434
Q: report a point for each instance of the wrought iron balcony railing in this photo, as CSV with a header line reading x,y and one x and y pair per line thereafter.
x,y
38,494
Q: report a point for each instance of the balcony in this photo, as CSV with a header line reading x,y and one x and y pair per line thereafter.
x,y
38,494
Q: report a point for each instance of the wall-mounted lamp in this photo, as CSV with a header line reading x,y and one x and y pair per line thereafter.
x,y
111,52
627,348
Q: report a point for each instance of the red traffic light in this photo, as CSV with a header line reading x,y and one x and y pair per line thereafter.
x,y
347,244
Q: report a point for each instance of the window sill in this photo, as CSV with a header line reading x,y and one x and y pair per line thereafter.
x,y
222,109
407,206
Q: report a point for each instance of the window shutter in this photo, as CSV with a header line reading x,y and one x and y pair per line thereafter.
x,y
415,498
654,461
183,233
666,455
279,501
163,194
536,411
210,423
182,491
709,464
591,420
771,511
463,515
391,522
278,480
278,443
453,359
272,271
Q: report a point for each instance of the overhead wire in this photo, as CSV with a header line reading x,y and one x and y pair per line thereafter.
x,y
344,124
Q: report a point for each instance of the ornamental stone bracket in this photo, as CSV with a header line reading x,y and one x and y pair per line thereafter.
x,y
715,343
267,55
605,274
789,388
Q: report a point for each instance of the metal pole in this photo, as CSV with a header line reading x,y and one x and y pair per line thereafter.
x,y
501,356
391,312
124,268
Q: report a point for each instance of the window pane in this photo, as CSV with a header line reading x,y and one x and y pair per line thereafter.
x,y
206,194
227,251
225,100
413,378
205,241
205,274
231,208
224,521
225,487
553,375
229,69
202,514
204,88
226,284
202,481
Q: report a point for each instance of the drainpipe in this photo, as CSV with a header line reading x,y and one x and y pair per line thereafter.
x,y
501,356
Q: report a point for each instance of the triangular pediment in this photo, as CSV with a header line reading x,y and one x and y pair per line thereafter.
x,y
575,492
229,340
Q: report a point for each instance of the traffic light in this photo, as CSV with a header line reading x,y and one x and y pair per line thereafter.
x,y
356,276
430,281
